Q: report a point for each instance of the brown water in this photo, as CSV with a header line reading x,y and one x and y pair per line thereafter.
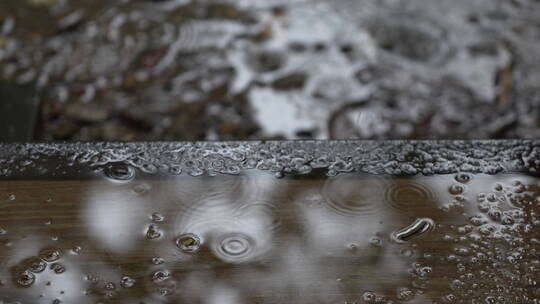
x,y
124,237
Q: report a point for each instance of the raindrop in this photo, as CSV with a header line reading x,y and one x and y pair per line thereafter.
x,y
76,249
157,261
405,294
375,241
161,276
188,242
417,228
157,217
110,286
127,282
120,172
463,178
49,255
25,278
35,265
58,268
153,232
456,189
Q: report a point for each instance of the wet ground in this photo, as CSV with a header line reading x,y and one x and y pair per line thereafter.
x,y
205,70
327,222
128,237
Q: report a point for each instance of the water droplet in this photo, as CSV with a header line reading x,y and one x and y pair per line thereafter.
x,y
25,278
353,247
161,276
76,249
375,241
153,232
49,255
57,268
120,172
127,282
463,178
157,217
188,242
417,228
405,294
35,265
456,189
157,261
109,286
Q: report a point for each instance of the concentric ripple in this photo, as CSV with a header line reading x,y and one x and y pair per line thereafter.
x,y
408,195
356,195
234,247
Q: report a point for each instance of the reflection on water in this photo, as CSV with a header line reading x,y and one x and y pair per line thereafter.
x,y
127,237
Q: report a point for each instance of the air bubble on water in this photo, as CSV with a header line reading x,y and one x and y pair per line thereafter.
x,y
188,242
120,172
405,294
2,231
76,249
35,265
352,247
157,217
165,291
12,197
127,282
375,241
57,268
153,232
157,261
463,178
456,189
25,278
110,286
161,276
417,228
49,255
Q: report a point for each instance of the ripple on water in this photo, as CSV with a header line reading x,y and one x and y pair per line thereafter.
x,y
355,194
234,247
408,195
205,195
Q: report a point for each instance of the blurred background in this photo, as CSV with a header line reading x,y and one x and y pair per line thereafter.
x,y
269,69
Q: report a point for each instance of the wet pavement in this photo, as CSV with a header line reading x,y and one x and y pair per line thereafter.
x,y
207,70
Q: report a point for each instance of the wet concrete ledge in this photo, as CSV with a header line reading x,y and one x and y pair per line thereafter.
x,y
282,157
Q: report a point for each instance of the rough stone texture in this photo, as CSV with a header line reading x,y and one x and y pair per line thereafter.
x,y
281,157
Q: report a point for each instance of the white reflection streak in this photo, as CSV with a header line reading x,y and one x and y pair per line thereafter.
x,y
113,219
222,294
